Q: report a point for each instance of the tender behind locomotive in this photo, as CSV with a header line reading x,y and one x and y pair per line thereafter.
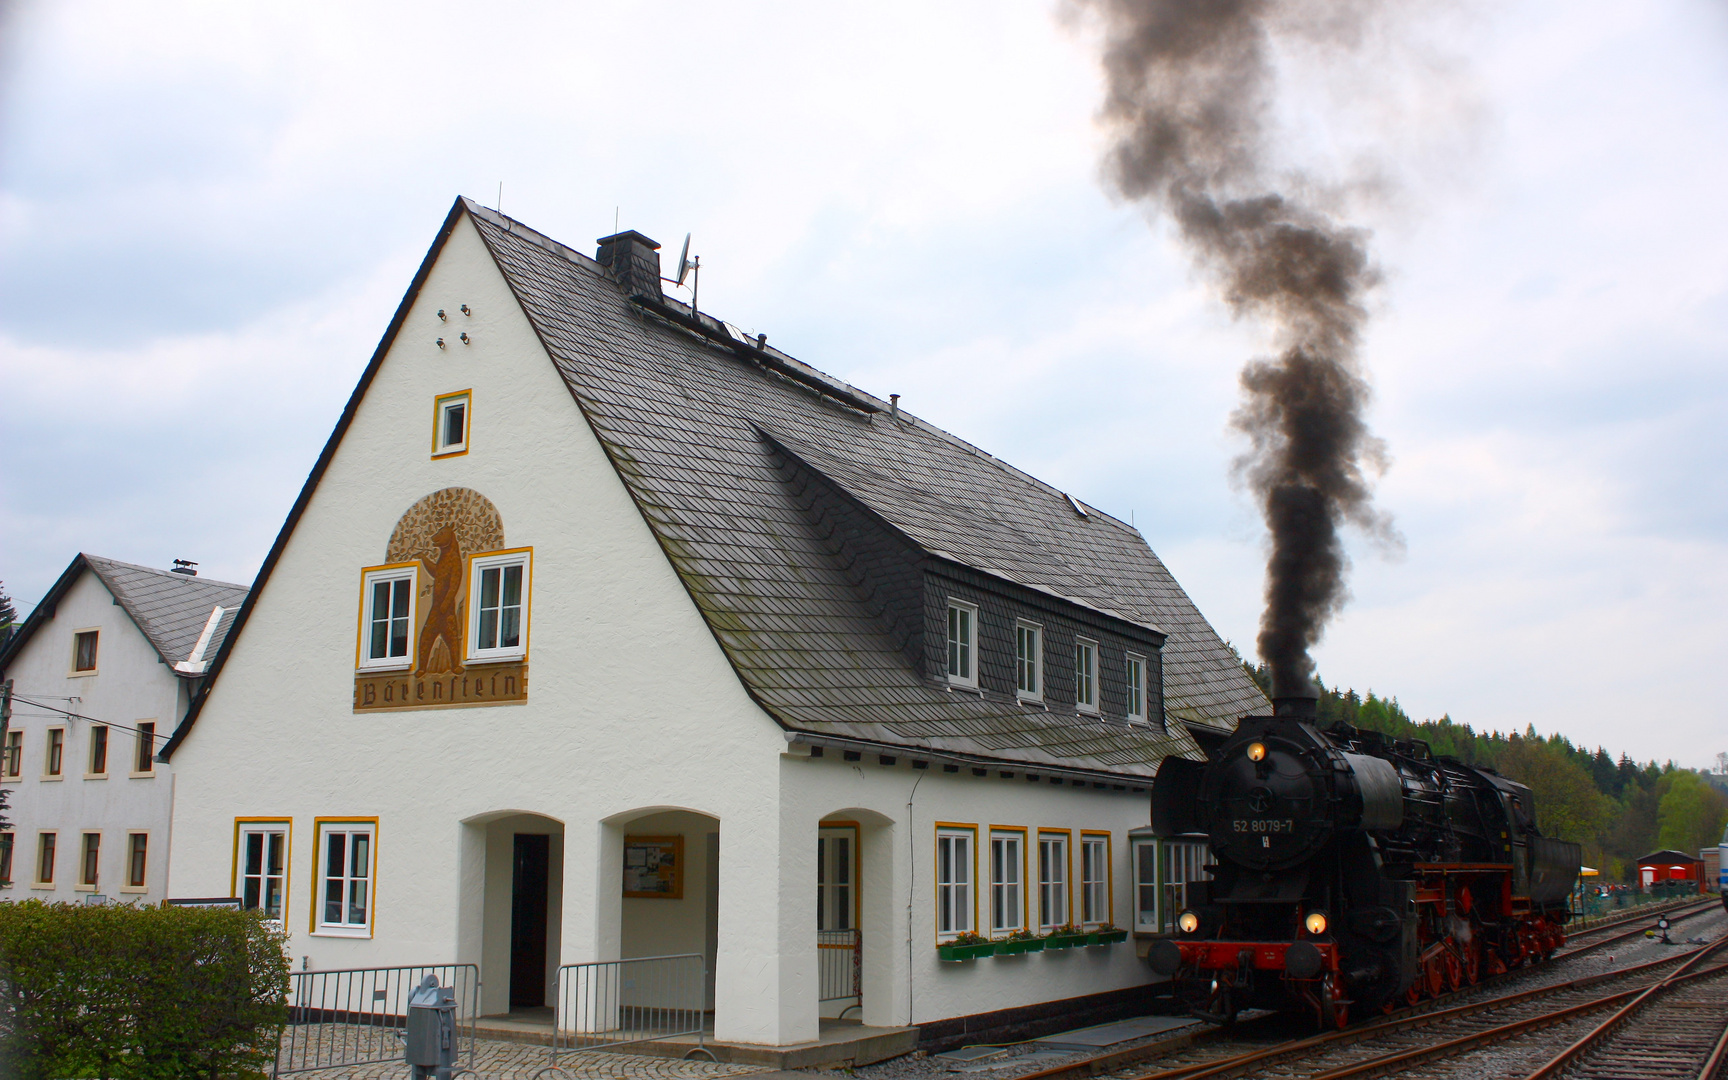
x,y
1352,870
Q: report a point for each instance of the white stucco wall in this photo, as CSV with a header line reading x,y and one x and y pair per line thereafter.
x,y
130,685
635,724
904,981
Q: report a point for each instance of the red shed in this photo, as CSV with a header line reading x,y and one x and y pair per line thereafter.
x,y
1666,865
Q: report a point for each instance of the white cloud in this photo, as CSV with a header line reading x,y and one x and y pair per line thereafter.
x,y
195,198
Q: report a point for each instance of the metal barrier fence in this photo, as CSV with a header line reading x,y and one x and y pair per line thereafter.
x,y
839,963
1587,903
356,1016
618,1002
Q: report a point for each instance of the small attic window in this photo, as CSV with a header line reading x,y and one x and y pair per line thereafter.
x,y
84,650
450,418
1075,503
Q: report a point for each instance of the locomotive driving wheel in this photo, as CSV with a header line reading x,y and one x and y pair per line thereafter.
x,y
1473,963
1434,974
1454,970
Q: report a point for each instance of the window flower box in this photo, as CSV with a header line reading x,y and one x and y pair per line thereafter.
x,y
1019,942
964,947
1064,937
1109,936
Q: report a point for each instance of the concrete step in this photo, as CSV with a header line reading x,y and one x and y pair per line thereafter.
x,y
1102,1037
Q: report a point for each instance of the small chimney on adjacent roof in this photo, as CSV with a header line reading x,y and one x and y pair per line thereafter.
x,y
634,261
185,566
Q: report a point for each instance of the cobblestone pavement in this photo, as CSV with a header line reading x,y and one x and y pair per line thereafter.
x,y
498,1060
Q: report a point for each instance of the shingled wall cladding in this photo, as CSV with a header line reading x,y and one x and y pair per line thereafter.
x,y
886,570
811,619
1000,606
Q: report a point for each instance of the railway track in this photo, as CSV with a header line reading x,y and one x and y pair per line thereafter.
x,y
1437,1021
1676,1029
1400,1044
1673,915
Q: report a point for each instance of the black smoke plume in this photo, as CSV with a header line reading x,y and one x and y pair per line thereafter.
x,y
1189,97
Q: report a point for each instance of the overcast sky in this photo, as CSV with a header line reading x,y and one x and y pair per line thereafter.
x,y
208,212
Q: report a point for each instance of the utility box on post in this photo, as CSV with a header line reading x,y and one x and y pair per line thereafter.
x,y
431,1038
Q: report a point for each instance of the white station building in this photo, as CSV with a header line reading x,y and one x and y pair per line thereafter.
x,y
601,629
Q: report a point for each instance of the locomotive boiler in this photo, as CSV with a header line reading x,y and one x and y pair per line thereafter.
x,y
1351,870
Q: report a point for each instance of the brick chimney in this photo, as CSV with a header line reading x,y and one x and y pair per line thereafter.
x,y
634,261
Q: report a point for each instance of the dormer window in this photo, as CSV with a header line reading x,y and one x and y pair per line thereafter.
x,y
1136,666
962,643
450,424
1085,675
1029,661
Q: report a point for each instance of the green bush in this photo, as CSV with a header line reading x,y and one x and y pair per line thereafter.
x,y
137,992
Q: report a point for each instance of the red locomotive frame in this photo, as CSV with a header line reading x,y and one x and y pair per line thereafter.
x,y
1469,925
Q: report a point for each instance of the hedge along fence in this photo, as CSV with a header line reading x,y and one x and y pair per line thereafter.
x,y
135,992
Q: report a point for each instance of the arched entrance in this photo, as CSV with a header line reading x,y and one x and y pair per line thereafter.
x,y
854,874
512,914
670,895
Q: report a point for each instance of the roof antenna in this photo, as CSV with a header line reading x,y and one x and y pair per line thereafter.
x,y
690,266
500,206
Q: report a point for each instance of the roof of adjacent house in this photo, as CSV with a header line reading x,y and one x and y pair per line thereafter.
x,y
699,423
169,609
1668,855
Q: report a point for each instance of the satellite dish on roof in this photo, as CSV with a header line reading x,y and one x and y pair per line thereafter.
x,y
684,263
686,267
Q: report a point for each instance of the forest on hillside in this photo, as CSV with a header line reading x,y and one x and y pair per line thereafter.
x,y
1617,809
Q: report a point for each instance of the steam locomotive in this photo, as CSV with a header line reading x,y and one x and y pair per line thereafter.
x,y
1352,871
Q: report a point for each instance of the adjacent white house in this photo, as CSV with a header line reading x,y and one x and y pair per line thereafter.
x,y
100,673
601,629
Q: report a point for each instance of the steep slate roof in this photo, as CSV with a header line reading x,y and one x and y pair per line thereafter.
x,y
169,609
687,422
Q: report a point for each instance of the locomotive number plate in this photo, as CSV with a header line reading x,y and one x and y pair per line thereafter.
x,y
1266,825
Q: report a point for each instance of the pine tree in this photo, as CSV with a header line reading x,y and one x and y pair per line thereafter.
x,y
8,614
1603,772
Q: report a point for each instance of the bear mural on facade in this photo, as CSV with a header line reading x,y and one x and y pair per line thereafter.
x,y
441,633
441,531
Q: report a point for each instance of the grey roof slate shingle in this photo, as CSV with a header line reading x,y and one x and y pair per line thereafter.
x,y
170,609
683,420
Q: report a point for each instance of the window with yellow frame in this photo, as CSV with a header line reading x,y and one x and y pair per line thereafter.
x,y
956,870
452,417
1007,879
345,862
261,860
1096,902
1054,897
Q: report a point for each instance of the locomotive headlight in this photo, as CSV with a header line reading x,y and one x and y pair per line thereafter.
x,y
1315,922
1188,922
1256,751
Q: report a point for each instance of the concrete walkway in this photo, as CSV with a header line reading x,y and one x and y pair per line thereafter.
x,y
498,1060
